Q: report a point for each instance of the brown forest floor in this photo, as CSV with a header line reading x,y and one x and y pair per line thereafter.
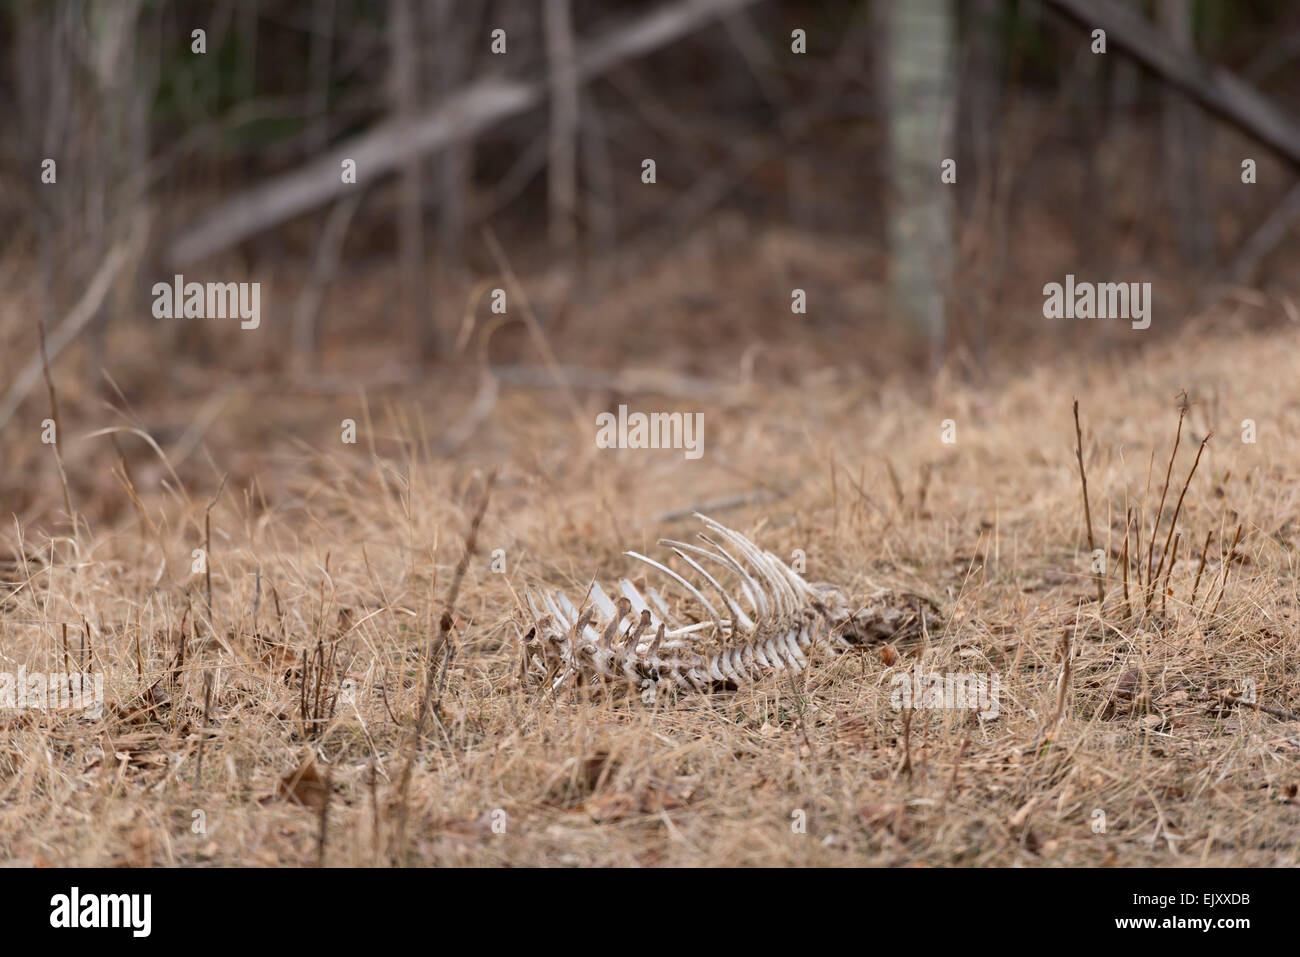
x,y
356,545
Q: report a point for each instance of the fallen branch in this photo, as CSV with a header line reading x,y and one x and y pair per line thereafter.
x,y
76,320
624,381
461,116
1214,88
711,506
1282,714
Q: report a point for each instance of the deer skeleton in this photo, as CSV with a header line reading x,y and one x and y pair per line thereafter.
x,y
638,638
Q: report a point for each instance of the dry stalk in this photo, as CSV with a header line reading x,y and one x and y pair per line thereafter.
x,y
1087,509
1164,591
444,627
1169,470
203,734
1177,510
1200,568
207,547
58,431
324,816
1063,682
1282,714
1227,565
906,767
1128,523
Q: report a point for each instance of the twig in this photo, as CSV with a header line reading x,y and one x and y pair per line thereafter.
x,y
324,815
1178,508
906,767
1128,524
956,766
448,614
1227,566
1063,682
58,430
898,486
1280,713
756,497
444,626
1200,568
374,809
207,545
257,596
803,727
1164,592
1087,510
203,734
1169,470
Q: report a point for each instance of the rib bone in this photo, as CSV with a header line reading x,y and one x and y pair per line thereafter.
x,y
697,648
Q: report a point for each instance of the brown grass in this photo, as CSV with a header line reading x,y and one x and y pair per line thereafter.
x,y
300,689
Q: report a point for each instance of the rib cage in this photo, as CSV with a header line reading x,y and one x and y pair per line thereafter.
x,y
638,638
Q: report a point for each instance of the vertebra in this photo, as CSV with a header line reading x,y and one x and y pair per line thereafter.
x,y
716,644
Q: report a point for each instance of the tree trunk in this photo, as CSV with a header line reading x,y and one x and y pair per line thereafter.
x,y
921,92
1184,133
416,308
562,179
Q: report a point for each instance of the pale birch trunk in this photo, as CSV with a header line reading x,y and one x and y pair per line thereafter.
x,y
920,68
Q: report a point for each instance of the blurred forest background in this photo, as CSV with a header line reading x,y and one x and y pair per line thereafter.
x,y
797,146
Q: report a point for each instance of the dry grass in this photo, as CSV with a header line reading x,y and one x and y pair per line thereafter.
x,y
299,692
